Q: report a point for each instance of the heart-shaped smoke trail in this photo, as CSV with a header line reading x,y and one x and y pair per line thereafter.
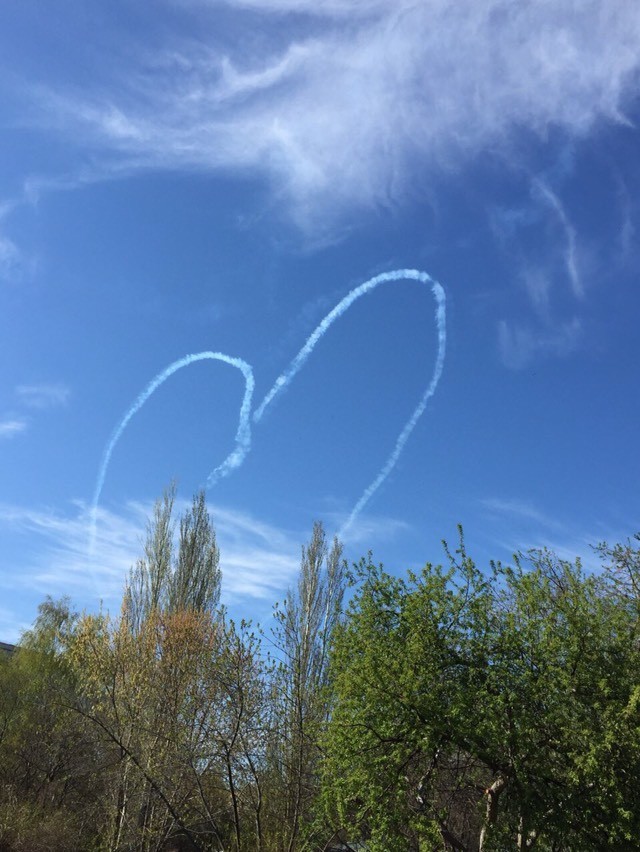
x,y
284,380
243,434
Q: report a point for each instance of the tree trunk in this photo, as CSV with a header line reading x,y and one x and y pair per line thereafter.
x,y
491,816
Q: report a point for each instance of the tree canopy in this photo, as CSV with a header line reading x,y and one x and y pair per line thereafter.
x,y
447,709
486,711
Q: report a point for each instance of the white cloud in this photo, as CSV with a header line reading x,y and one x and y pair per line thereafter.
x,y
258,560
370,529
10,255
12,426
521,510
538,284
519,345
340,113
319,8
9,258
543,191
522,527
62,563
543,247
43,395
14,264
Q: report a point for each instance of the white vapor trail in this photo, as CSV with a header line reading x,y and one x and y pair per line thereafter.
x,y
243,434
409,426
284,380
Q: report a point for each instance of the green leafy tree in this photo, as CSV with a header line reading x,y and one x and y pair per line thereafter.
x,y
486,712
174,691
47,753
170,580
305,625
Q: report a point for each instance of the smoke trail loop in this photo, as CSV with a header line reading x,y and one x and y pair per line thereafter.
x,y
410,425
243,433
284,379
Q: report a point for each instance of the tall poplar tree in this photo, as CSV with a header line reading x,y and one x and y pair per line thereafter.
x,y
305,627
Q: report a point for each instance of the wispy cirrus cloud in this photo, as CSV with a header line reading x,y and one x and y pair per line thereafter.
x,y
12,426
520,344
548,268
544,191
338,110
522,510
62,564
43,395
368,529
10,258
32,397
521,526
258,560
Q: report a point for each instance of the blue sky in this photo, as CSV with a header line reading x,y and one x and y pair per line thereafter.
x,y
198,176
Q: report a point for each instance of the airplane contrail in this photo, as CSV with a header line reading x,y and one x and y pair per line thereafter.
x,y
409,426
243,433
284,379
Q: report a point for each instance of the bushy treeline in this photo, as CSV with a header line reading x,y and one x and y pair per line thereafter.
x,y
169,726
447,710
